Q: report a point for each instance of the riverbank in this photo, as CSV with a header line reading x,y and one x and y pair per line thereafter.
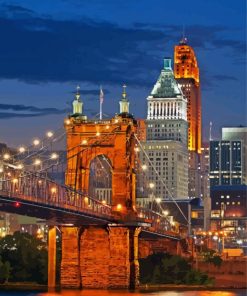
x,y
23,286
168,287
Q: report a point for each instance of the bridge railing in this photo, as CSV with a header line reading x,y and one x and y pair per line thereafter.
x,y
159,222
41,190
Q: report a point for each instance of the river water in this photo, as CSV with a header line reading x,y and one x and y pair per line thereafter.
x,y
126,293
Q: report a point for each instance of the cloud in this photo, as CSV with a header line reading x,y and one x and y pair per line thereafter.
x,y
16,8
26,111
222,77
40,49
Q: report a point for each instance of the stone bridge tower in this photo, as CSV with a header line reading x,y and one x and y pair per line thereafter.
x,y
113,140
101,256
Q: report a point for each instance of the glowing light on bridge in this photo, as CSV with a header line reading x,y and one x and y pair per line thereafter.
x,y
17,204
37,162
53,190
97,134
103,202
22,149
165,213
119,207
144,167
20,166
54,156
107,127
6,156
36,142
49,134
67,121
151,185
1,170
84,142
158,200
137,149
15,181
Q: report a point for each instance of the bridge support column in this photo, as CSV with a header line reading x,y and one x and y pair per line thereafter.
x,y
134,254
124,265
70,271
52,257
94,257
109,257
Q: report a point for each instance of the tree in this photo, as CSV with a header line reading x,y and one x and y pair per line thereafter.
x,y
27,256
211,256
163,268
4,271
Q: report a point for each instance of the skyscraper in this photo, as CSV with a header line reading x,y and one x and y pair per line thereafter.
x,y
166,142
228,157
186,72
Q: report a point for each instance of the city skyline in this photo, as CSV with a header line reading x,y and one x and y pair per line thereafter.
x,y
39,76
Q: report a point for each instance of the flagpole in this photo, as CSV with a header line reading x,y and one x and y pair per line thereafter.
x,y
100,110
101,98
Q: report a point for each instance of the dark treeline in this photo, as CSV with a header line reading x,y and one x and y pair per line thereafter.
x,y
23,258
163,268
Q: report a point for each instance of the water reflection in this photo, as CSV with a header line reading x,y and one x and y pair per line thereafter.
x,y
144,293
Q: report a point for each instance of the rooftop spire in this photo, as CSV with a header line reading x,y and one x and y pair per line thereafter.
x,y
124,102
124,94
78,95
77,103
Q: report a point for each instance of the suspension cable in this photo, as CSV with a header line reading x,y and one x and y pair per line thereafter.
x,y
161,180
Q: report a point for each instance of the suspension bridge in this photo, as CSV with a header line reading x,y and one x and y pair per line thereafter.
x,y
89,195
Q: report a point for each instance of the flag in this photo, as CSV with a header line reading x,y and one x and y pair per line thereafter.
x,y
101,96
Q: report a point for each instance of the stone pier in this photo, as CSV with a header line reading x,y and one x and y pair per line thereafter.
x,y
100,257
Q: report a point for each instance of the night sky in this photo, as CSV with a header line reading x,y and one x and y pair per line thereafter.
x,y
49,46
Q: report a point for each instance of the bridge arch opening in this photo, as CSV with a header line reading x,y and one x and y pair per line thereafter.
x,y
100,179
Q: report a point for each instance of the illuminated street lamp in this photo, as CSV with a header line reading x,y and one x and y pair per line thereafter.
x,y
6,156
165,213
144,167
22,149
49,134
36,142
158,200
54,156
37,162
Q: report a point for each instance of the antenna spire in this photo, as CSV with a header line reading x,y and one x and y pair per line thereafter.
x,y
183,41
210,130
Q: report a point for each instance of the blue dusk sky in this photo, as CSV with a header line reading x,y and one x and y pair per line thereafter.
x,y
49,46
